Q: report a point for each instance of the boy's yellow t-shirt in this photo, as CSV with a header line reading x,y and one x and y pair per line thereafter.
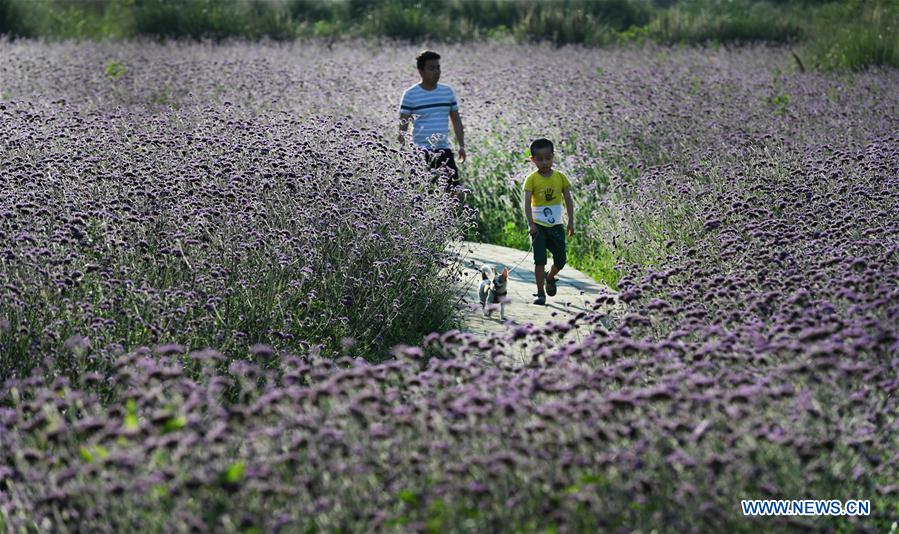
x,y
546,197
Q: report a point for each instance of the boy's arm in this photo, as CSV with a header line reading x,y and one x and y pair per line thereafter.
x,y
532,228
460,133
569,207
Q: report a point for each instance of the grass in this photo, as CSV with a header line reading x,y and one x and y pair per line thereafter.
x,y
719,21
863,33
158,288
845,34
239,320
611,227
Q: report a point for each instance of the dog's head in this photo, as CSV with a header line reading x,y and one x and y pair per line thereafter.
x,y
501,279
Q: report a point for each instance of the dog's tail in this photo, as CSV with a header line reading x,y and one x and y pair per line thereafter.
x,y
486,272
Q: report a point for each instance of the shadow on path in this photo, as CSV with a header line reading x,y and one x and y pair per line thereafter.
x,y
576,291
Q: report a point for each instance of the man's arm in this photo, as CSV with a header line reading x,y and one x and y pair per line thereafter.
x,y
569,207
404,125
460,133
532,228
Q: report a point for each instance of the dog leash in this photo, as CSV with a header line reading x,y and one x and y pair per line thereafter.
x,y
524,258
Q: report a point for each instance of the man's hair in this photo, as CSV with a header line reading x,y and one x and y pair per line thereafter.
x,y
424,56
540,144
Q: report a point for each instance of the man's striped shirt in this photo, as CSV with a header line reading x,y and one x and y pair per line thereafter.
x,y
430,112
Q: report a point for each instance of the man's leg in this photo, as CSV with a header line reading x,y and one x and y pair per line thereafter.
x,y
455,180
437,162
445,162
449,159
430,160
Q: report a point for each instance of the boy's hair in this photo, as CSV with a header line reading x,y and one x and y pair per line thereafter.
x,y
424,56
540,144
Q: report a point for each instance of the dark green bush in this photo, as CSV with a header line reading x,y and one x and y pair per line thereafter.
x,y
11,21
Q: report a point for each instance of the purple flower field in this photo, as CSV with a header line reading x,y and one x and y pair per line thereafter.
x,y
226,304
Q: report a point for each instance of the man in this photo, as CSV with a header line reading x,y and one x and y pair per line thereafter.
x,y
427,105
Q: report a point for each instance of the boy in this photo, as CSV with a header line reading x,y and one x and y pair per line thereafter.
x,y
427,105
543,192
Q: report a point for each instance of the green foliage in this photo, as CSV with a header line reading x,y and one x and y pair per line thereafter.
x,y
595,259
163,97
315,10
843,34
93,453
564,28
131,421
695,21
408,496
115,70
485,14
859,34
234,473
779,102
173,424
515,236
216,19
398,19
73,19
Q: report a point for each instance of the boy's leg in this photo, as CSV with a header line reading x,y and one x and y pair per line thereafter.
x,y
556,244
553,271
551,280
539,242
540,275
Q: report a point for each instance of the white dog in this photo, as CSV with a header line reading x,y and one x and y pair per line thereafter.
x,y
493,289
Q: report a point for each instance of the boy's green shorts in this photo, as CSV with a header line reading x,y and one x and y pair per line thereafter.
x,y
550,238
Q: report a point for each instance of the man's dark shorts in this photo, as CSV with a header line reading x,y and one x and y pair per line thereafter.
x,y
550,238
442,158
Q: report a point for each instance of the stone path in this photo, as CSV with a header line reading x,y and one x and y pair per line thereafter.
x,y
576,291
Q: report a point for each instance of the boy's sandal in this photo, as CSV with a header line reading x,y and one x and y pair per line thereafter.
x,y
551,287
540,300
